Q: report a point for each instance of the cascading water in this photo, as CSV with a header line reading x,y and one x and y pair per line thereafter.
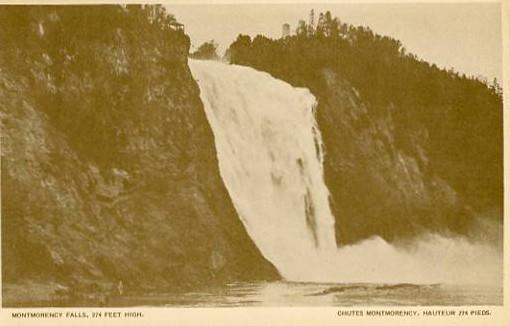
x,y
270,157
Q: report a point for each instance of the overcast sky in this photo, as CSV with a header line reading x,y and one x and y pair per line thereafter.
x,y
466,37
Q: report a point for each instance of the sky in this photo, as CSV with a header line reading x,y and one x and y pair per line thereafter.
x,y
465,36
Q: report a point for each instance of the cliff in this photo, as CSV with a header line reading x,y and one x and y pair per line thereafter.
x,y
410,148
376,186
109,171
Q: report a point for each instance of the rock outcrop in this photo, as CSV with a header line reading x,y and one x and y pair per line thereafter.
x,y
109,171
377,187
409,148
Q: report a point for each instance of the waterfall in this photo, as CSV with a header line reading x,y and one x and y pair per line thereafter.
x,y
271,160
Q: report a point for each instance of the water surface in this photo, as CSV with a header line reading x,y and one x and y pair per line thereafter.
x,y
285,294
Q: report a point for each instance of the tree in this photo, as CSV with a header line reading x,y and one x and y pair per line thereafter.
x,y
240,49
301,30
332,25
321,26
311,25
496,88
206,51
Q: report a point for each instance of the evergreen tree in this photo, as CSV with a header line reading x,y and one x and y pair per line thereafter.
x,y
206,51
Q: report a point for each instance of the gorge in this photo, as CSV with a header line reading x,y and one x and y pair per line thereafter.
x,y
270,154
124,161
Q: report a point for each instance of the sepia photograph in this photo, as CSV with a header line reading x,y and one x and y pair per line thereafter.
x,y
235,155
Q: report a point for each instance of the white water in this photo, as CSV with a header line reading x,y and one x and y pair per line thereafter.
x,y
270,157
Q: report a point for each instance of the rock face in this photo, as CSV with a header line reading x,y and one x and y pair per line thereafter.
x,y
385,177
109,170
399,161
376,186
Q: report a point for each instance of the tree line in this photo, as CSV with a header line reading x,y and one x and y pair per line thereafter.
x,y
463,113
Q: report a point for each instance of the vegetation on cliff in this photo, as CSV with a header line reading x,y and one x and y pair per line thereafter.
x,y
206,51
109,171
440,130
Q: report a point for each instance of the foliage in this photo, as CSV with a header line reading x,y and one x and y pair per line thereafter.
x,y
206,51
89,67
463,115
